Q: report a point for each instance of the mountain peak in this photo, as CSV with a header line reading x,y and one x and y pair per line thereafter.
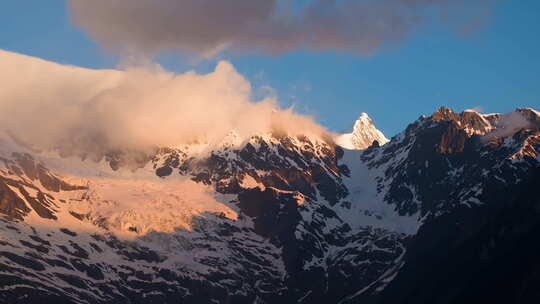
x,y
473,122
363,135
362,120
445,113
364,114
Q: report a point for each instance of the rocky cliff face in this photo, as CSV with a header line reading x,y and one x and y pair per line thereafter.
x,y
274,218
476,242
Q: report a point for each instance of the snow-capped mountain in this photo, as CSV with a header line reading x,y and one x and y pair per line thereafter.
x,y
364,134
276,218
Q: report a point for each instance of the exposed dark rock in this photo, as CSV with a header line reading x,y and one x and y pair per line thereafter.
x,y
473,191
11,204
23,261
68,232
164,171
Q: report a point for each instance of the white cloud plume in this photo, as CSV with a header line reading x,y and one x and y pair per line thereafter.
x,y
509,124
92,111
206,27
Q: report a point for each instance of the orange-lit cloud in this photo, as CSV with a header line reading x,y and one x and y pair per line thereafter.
x,y
52,105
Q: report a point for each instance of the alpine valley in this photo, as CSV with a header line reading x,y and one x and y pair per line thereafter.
x,y
447,211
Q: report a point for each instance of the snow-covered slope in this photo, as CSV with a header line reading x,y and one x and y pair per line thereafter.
x,y
289,219
252,219
363,135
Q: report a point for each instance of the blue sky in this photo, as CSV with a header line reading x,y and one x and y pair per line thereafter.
x,y
497,68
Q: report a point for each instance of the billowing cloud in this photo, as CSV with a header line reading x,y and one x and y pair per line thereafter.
x,y
206,27
51,105
508,124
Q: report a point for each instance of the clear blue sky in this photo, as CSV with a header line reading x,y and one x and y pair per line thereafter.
x,y
497,68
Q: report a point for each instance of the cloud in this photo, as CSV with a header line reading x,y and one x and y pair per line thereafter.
x,y
507,125
95,111
478,109
207,27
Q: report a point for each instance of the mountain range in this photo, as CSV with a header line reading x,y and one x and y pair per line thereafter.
x,y
447,211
